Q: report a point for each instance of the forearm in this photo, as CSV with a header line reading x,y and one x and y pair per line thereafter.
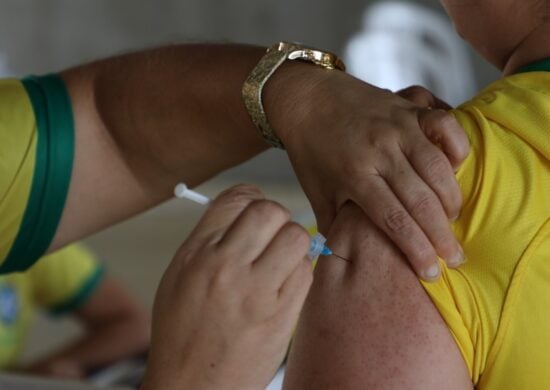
x,y
98,348
172,109
116,327
148,120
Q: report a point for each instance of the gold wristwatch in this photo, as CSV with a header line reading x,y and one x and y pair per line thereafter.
x,y
273,58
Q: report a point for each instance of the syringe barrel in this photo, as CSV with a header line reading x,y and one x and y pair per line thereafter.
x,y
316,248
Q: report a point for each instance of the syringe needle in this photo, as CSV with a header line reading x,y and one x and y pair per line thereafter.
x,y
342,258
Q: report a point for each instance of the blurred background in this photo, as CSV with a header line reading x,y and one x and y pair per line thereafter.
x,y
389,43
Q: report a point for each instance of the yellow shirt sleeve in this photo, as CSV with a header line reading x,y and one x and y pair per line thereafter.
x,y
17,159
496,305
36,160
63,281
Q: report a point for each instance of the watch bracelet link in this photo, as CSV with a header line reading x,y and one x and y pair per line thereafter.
x,y
274,57
252,94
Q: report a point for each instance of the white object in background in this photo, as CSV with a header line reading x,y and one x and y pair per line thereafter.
x,y
277,382
403,44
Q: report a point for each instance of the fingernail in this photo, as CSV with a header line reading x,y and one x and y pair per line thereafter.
x,y
455,218
457,260
432,273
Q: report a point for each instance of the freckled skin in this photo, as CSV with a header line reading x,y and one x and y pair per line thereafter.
x,y
369,324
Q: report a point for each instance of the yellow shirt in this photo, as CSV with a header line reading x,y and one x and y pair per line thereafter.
x,y
59,283
36,157
17,159
497,305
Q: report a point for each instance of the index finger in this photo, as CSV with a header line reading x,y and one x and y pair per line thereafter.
x,y
223,211
283,254
253,230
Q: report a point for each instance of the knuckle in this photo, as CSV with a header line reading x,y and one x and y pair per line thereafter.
x,y
424,204
297,235
187,254
268,210
440,120
221,279
385,135
419,89
446,119
397,221
241,193
417,93
437,167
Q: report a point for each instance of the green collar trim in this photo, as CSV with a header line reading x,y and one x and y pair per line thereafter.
x,y
52,171
539,66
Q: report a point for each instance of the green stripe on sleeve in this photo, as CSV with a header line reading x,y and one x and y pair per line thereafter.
x,y
52,173
538,66
81,297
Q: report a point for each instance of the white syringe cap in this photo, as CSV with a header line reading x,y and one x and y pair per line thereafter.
x,y
182,191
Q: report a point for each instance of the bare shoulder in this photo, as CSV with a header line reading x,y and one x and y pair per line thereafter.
x,y
370,324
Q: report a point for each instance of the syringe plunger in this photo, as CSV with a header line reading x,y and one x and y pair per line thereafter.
x,y
182,191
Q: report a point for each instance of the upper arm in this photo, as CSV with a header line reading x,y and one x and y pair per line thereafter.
x,y
370,324
103,189
62,177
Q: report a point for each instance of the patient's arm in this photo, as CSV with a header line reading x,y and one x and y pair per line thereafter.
x,y
369,324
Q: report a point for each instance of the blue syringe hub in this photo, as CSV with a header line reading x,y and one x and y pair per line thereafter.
x,y
318,247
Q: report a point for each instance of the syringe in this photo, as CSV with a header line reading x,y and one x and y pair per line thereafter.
x,y
317,247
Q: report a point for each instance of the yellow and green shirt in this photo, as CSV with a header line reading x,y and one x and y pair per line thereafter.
x,y
497,305
36,158
60,283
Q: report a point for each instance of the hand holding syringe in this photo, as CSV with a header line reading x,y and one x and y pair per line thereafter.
x,y
317,248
